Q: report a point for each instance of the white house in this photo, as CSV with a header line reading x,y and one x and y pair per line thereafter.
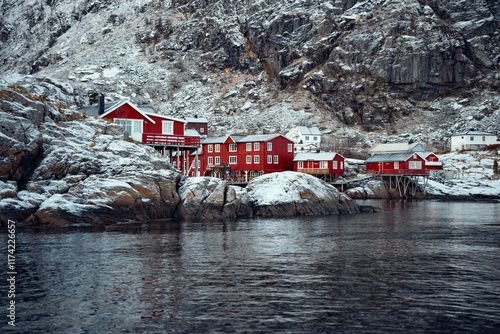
x,y
472,139
306,138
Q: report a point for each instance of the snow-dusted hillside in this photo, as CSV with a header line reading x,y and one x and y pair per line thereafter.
x,y
359,69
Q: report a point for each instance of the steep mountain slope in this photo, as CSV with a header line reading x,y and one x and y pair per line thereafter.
x,y
366,70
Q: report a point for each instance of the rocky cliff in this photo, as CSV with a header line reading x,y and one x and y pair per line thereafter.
x,y
362,70
59,167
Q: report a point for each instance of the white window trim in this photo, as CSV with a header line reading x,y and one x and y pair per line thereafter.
x,y
217,147
300,164
217,160
256,159
249,159
233,148
269,147
210,148
276,159
234,158
163,123
210,161
249,147
269,159
290,147
256,146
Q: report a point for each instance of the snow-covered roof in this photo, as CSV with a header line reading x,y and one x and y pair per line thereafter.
x,y
196,119
255,138
473,133
315,156
396,147
191,132
309,130
214,140
166,117
390,157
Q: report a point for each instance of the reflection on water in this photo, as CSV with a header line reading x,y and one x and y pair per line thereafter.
x,y
418,267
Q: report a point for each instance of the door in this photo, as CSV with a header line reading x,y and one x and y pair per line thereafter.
x,y
137,130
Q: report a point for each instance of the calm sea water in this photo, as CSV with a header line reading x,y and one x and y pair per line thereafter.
x,y
419,267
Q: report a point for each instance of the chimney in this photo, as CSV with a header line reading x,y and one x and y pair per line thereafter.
x,y
101,104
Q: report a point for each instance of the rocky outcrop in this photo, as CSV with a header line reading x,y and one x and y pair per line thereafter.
x,y
273,195
291,193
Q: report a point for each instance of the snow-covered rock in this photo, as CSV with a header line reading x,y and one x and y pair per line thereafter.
x,y
292,193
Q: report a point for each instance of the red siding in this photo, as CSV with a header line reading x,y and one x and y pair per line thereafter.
x,y
202,128
126,112
279,149
404,167
157,128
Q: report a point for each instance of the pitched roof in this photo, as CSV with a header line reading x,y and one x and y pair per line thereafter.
x,y
196,119
315,156
391,157
121,103
396,147
256,138
473,133
309,130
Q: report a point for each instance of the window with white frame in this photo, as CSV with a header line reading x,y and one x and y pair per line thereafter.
x,y
217,147
335,165
167,127
249,147
252,173
322,164
210,161
126,123
396,165
415,165
249,159
210,148
256,146
260,173
217,160
232,160
275,159
269,159
341,165
300,164
256,159
269,146
290,147
232,148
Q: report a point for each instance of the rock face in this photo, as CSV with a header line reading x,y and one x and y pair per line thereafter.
x,y
61,168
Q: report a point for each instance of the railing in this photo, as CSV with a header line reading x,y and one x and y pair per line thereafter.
x,y
153,138
314,171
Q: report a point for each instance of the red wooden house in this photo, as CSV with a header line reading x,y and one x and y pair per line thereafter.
x,y
324,164
199,124
431,161
397,163
242,157
144,125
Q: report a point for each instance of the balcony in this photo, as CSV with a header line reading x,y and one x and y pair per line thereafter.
x,y
314,171
170,140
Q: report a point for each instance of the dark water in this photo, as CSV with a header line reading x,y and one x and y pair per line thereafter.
x,y
420,267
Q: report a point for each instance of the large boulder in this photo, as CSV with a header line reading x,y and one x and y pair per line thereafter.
x,y
292,193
